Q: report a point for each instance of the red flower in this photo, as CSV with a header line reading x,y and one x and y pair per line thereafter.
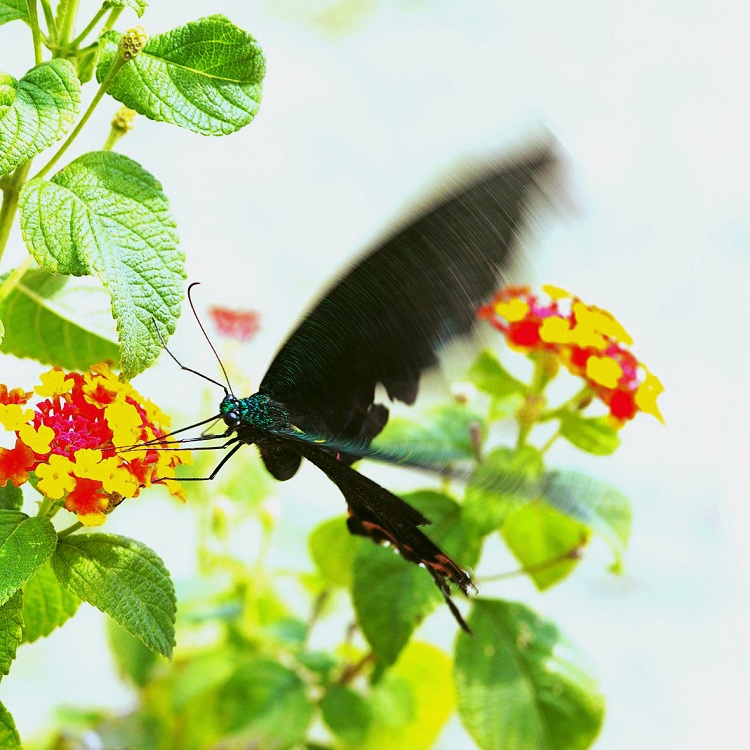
x,y
240,325
15,464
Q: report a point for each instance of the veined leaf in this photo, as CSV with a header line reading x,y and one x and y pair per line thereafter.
x,y
11,497
591,434
59,320
10,10
123,578
46,604
139,6
103,214
11,623
520,685
36,111
135,662
205,76
9,739
25,544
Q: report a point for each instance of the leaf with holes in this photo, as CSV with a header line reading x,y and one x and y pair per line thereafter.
x,y
205,76
25,545
105,215
123,578
36,111
59,320
520,684
46,604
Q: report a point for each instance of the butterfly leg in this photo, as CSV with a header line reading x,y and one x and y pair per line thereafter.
x,y
221,463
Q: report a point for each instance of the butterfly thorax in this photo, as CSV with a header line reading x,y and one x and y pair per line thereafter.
x,y
254,416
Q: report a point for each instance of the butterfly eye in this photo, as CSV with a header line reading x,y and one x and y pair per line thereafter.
x,y
232,419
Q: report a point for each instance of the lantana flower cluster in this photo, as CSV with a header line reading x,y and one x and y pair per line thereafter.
x,y
587,340
80,441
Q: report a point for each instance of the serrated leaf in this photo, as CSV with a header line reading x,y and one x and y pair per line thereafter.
x,y
488,375
124,579
11,623
333,550
598,505
9,738
520,684
139,6
412,702
25,544
46,604
544,541
135,662
104,214
11,497
499,484
59,320
11,10
347,714
36,111
265,705
591,434
205,76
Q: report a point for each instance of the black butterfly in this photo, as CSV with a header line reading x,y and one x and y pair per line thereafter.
x,y
384,323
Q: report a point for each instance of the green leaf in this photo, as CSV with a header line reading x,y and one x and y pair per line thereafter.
x,y
135,663
86,60
412,702
11,623
544,541
139,6
201,675
265,704
36,111
347,714
520,684
46,604
591,434
104,214
205,76
11,497
333,550
488,375
59,320
11,10
123,578
9,738
598,505
25,544
443,434
503,480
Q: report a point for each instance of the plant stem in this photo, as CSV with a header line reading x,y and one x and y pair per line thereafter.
x,y
35,31
14,277
92,23
67,532
10,202
352,670
114,69
49,17
112,20
549,443
67,21
574,553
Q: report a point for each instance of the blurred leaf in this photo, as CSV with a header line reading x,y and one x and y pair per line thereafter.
x,y
520,685
333,550
11,10
135,663
139,6
598,505
11,497
412,702
537,534
59,321
37,110
591,434
265,705
11,622
488,375
499,484
25,544
320,662
46,604
103,214
9,739
201,674
205,76
86,60
123,578
347,714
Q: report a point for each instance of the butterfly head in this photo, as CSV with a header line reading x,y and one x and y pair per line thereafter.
x,y
231,411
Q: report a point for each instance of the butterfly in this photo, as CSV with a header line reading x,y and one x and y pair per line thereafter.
x,y
383,324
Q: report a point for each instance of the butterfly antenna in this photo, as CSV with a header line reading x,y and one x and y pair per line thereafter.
x,y
181,366
203,331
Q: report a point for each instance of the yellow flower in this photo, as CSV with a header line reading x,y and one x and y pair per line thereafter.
x,y
125,422
646,395
87,461
12,416
54,477
514,310
555,330
93,519
555,292
39,440
604,371
54,383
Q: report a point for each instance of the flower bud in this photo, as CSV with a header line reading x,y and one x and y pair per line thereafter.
x,y
133,41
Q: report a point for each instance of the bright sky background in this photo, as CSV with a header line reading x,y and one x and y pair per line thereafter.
x,y
650,100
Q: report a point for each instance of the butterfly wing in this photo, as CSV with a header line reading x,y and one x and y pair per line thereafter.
x,y
387,318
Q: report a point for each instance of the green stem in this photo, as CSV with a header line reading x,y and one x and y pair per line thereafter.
x,y
114,69
549,443
10,203
35,31
89,28
49,17
67,532
14,277
112,20
574,553
67,21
